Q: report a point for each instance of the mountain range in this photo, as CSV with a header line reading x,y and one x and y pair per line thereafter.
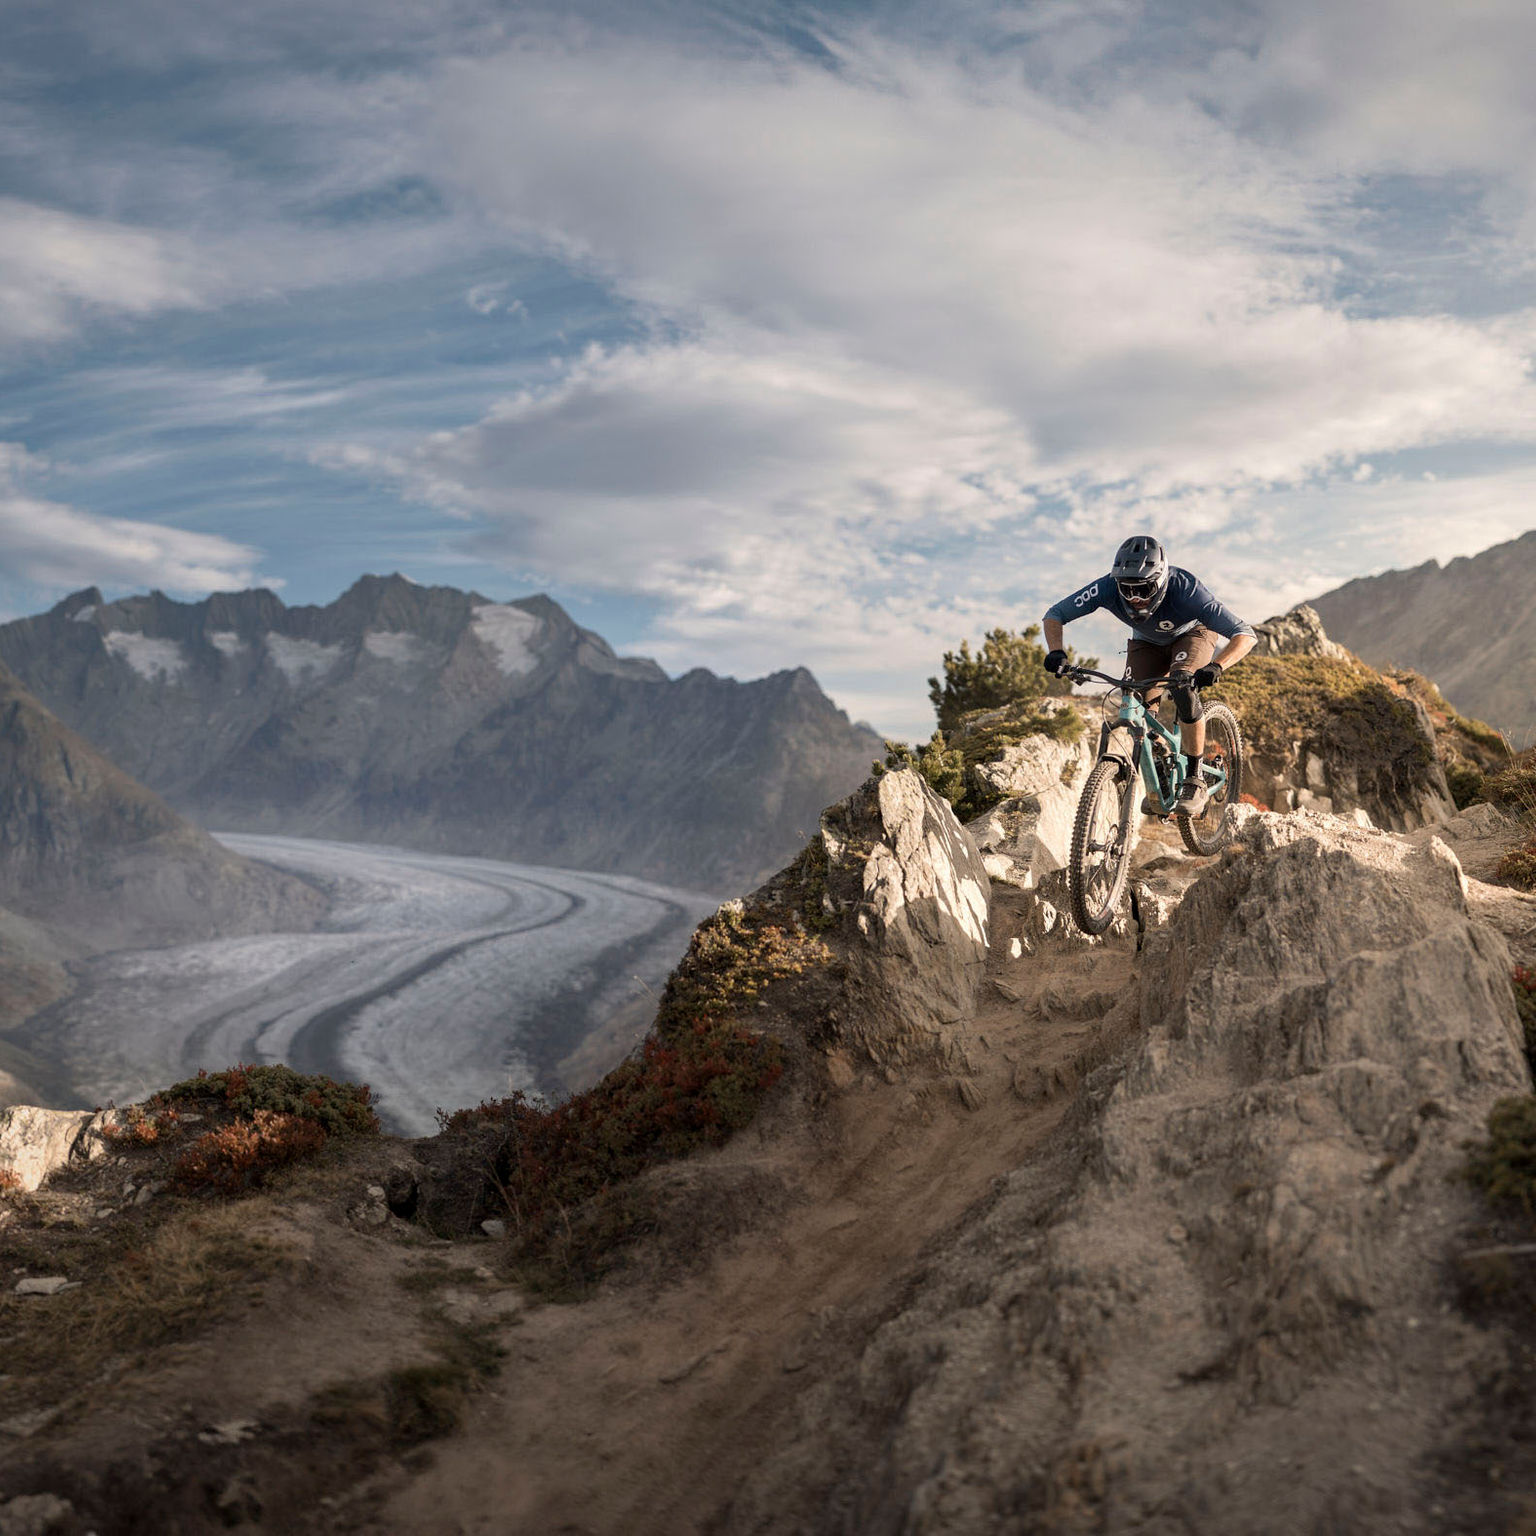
x,y
439,719
1470,625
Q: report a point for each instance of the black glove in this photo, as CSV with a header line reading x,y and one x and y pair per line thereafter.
x,y
1207,676
1056,663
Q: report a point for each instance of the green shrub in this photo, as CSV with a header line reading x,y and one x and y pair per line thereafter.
x,y
980,736
1465,783
341,1109
1009,669
1504,1166
942,766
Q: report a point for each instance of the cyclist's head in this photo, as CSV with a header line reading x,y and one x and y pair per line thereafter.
x,y
1141,573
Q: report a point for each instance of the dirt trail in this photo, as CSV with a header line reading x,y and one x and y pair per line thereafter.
x,y
640,1412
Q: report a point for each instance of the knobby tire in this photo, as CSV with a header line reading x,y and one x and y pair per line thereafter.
x,y
1202,834
1103,780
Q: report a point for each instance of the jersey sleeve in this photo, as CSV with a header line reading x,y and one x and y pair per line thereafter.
x,y
1216,615
1086,600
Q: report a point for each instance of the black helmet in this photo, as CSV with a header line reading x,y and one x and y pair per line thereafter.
x,y
1141,573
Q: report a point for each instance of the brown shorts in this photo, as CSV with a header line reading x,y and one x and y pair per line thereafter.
x,y
1188,653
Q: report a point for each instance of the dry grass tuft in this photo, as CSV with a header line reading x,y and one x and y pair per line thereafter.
x,y
138,1294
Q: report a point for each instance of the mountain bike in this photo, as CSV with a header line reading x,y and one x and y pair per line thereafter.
x,y
1135,746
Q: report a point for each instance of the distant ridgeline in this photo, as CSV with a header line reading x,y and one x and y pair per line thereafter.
x,y
437,719
1470,625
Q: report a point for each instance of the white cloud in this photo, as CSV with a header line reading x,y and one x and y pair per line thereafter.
x,y
56,546
56,267
1145,295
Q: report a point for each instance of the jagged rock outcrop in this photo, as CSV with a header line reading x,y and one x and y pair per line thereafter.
x,y
898,892
1297,633
438,719
1234,1267
85,848
1469,624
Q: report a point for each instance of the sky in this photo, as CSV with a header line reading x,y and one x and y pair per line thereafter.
x,y
763,335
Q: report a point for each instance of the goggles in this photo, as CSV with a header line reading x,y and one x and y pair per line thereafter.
x,y
1137,591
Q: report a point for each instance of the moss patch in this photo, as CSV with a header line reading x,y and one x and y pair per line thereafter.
x,y
1338,705
1504,1166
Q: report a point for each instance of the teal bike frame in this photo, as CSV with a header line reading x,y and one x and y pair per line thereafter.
x,y
1144,727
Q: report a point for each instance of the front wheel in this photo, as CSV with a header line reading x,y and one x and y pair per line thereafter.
x,y
1101,845
1211,830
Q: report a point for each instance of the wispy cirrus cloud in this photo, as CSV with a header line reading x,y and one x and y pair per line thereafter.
x,y
55,545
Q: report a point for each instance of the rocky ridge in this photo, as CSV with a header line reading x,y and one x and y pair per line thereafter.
x,y
437,719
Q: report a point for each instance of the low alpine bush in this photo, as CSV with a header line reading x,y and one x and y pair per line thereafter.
x,y
239,1156
1504,1166
340,1109
1518,866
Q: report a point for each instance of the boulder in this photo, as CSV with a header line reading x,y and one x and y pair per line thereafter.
x,y
914,908
1233,1267
34,1142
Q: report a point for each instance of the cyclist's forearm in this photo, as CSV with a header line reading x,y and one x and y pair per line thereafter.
x,y
1234,651
1053,635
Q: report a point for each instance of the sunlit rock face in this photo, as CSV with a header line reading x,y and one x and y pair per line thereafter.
x,y
438,719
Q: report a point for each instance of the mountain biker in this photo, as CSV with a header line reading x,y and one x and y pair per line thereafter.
x,y
1176,625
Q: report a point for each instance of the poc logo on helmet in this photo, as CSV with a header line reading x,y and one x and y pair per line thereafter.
x,y
1087,596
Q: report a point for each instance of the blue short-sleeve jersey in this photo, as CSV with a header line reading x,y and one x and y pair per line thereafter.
x,y
1187,603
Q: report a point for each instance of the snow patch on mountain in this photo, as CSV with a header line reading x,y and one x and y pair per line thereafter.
x,y
299,660
395,645
85,615
148,657
226,642
508,631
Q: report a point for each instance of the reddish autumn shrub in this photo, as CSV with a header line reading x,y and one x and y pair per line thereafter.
x,y
10,1181
1525,1001
144,1125
692,1090
239,1156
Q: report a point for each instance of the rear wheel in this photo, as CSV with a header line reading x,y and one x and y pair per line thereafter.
x,y
1211,830
1101,845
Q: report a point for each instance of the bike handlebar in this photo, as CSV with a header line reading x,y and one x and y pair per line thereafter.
x,y
1140,685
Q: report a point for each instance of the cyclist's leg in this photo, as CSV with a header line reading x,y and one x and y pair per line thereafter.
x,y
1190,653
1144,659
